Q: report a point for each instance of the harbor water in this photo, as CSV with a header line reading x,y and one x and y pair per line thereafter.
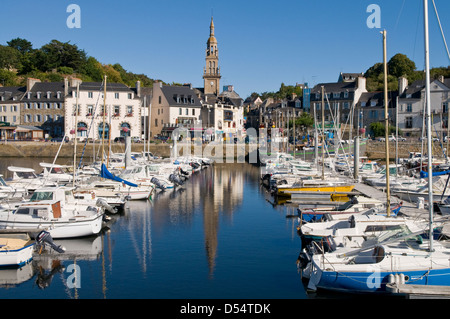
x,y
219,236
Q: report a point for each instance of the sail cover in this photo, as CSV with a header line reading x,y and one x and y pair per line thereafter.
x,y
425,174
107,174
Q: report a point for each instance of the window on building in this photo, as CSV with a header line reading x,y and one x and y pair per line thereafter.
x,y
374,114
187,111
116,110
89,110
156,122
90,95
445,107
409,122
116,96
130,96
193,111
409,107
159,99
129,110
38,117
180,111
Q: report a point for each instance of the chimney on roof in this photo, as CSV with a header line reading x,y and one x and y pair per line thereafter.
x,y
441,78
138,88
402,85
362,83
66,86
31,82
75,81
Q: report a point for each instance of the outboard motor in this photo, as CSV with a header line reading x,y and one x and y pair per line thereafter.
x,y
175,179
44,238
184,172
158,184
101,202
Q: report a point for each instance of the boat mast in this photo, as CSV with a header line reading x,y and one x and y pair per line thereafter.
x,y
76,132
103,127
386,123
428,104
323,135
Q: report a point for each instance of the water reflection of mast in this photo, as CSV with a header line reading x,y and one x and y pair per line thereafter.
x,y
145,253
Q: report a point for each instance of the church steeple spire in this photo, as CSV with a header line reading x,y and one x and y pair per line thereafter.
x,y
211,72
211,28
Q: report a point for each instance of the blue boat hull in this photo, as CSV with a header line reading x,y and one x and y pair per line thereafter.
x,y
370,282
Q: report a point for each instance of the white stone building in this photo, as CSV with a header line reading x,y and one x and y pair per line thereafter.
x,y
120,117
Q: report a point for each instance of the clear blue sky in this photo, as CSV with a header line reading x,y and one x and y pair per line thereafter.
x,y
261,43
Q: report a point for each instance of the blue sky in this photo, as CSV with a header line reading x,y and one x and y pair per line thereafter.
x,y
261,43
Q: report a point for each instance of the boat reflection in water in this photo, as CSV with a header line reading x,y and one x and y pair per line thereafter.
x,y
215,236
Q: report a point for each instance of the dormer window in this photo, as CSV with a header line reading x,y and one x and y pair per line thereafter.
x,y
58,95
29,95
336,95
38,95
49,95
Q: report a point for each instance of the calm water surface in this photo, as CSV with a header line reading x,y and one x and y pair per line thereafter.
x,y
217,237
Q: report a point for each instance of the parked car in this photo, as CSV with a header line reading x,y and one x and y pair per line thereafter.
x,y
390,139
56,139
401,139
135,139
120,139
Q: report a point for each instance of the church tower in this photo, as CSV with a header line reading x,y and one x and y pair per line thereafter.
x,y
211,72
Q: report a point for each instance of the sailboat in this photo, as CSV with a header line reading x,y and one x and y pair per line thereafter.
x,y
395,258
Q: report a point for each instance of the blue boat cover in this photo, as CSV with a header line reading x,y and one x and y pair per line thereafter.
x,y
425,174
107,174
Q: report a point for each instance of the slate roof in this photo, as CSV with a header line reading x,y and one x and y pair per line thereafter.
x,y
334,87
378,97
45,87
171,92
9,92
415,88
97,86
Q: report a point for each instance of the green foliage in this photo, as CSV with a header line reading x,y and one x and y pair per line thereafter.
x,y
55,60
8,78
305,120
285,91
399,65
21,45
9,58
379,129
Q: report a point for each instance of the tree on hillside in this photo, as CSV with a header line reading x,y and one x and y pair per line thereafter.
x,y
21,45
399,65
62,54
9,58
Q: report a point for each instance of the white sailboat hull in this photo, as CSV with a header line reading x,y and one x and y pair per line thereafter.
x,y
58,228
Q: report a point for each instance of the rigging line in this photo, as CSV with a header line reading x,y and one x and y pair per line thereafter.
x,y
399,14
90,126
442,31
417,30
